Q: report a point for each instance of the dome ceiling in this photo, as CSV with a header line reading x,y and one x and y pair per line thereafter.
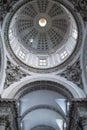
x,y
42,34
41,26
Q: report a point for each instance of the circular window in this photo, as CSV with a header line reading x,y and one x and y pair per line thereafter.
x,y
42,22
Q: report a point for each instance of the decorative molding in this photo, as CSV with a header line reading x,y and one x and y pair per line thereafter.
x,y
82,4
81,7
8,114
84,60
43,85
77,114
74,74
5,121
13,74
5,6
2,63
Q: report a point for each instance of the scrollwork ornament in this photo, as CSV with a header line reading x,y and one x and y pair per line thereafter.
x,y
80,6
74,74
5,6
13,74
83,4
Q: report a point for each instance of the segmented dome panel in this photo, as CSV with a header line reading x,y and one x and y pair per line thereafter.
x,y
46,38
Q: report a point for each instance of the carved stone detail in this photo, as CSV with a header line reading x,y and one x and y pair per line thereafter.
x,y
13,74
8,115
4,120
83,4
73,73
81,7
5,6
77,115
